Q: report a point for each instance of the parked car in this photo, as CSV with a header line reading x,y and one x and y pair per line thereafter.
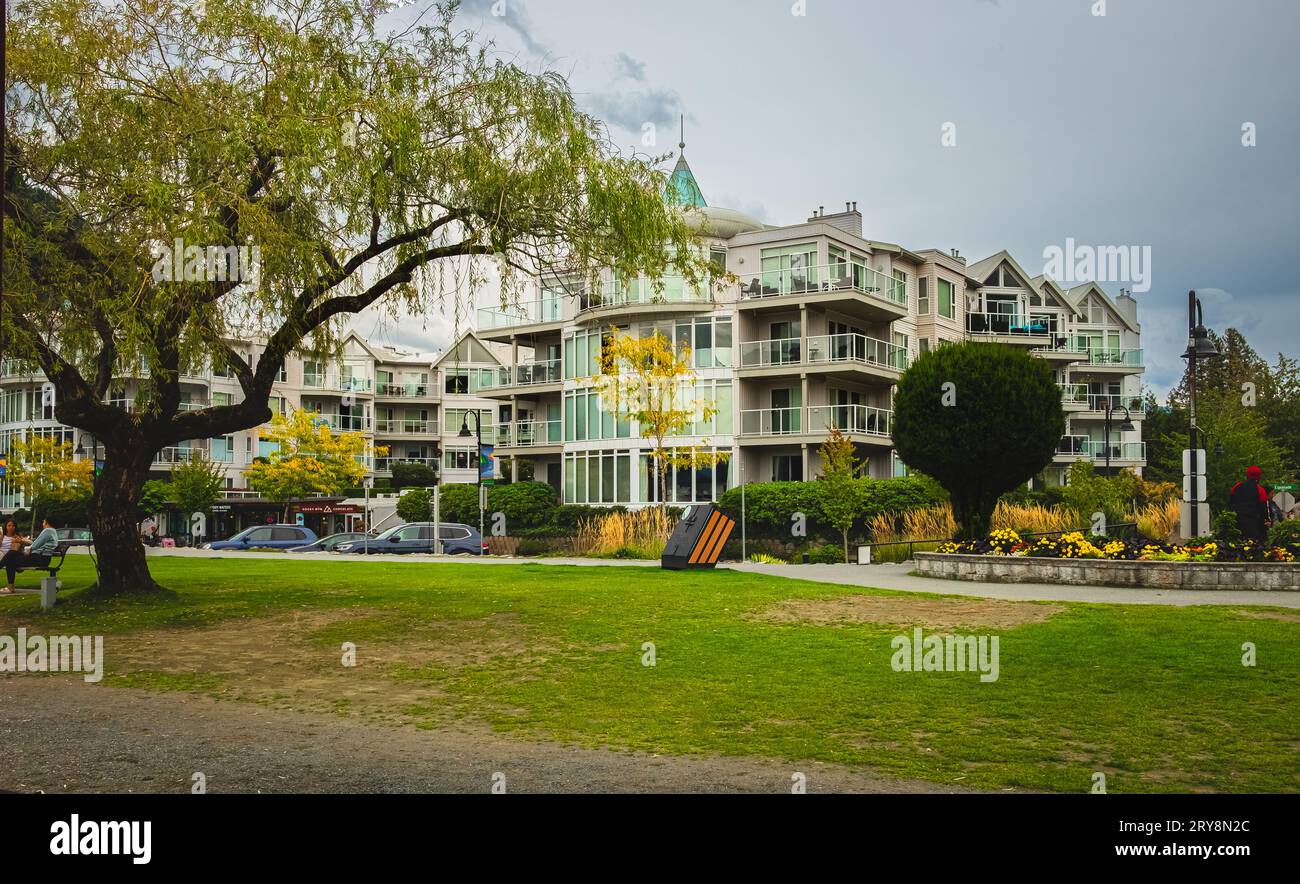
x,y
74,537
417,537
267,537
329,544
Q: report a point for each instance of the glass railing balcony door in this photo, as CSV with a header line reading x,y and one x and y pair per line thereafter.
x,y
1037,325
850,419
526,434
405,427
1115,402
531,373
1096,449
1074,445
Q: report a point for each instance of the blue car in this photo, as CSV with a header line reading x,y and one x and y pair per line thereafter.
x,y
417,537
267,537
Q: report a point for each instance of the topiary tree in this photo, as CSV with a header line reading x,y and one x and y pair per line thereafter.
x,y
413,506
413,475
981,419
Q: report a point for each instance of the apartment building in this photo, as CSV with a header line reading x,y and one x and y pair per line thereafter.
x,y
410,407
814,336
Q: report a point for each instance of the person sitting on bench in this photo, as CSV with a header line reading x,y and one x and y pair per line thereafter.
x,y
37,555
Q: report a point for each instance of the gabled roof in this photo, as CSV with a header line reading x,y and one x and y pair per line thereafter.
x,y
450,354
1079,292
981,269
1049,287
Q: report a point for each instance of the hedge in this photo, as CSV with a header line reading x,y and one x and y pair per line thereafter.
x,y
770,506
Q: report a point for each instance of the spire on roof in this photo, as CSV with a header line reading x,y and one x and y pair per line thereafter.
x,y
682,189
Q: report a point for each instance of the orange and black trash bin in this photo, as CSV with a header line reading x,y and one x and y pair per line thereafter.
x,y
698,539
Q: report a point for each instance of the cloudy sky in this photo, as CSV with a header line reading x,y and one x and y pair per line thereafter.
x,y
1122,129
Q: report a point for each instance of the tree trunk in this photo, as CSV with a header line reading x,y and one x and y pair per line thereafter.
x,y
119,554
973,513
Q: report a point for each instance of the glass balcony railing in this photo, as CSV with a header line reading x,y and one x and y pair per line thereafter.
x,y
174,454
385,426
856,348
549,309
1116,403
527,434
526,374
772,422
385,464
817,419
850,419
404,391
341,384
1095,449
844,277
343,423
1034,325
1074,395
1109,356
823,349
670,290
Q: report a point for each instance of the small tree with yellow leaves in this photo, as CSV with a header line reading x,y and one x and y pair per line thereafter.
x,y
644,380
43,467
311,459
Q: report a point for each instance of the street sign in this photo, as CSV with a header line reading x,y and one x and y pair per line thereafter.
x,y
1289,486
1197,468
1285,501
1194,488
1202,519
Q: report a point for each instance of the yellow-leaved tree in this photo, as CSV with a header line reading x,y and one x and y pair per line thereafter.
x,y
43,467
649,381
311,459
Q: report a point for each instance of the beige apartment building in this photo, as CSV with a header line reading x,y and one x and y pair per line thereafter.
x,y
814,335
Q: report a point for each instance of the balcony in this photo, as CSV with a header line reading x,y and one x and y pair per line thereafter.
x,y
334,384
1074,397
529,434
817,421
174,454
873,294
1079,447
500,323
845,351
398,427
385,464
343,423
1127,361
642,296
404,391
1098,403
526,374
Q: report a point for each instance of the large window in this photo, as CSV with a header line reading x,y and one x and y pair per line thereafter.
x,y
946,306
708,337
790,269
585,418
923,296
787,468
598,477
684,485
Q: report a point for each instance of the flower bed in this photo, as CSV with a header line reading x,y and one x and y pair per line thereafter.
x,y
1079,560
1076,545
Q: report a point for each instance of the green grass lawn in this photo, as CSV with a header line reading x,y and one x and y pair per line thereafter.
x,y
1156,697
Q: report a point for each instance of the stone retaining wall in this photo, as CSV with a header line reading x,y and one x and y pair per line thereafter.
x,y
1109,572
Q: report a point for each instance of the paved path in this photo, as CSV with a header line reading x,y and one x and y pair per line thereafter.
x,y
887,576
63,735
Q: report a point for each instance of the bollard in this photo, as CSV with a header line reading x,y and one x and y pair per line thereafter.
x,y
49,591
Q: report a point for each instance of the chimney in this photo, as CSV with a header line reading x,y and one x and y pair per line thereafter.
x,y
1127,305
850,220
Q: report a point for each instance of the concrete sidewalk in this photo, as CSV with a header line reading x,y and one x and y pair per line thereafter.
x,y
886,576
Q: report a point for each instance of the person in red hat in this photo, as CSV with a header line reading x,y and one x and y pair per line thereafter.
x,y
1249,501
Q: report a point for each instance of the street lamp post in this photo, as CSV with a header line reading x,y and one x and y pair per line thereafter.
x,y
1199,346
478,458
1126,427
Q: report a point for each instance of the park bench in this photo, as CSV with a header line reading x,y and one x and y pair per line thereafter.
x,y
49,584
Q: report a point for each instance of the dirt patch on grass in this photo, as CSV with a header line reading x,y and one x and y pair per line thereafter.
x,y
296,661
902,611
1269,615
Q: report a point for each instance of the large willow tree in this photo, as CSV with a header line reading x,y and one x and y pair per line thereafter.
x,y
368,166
